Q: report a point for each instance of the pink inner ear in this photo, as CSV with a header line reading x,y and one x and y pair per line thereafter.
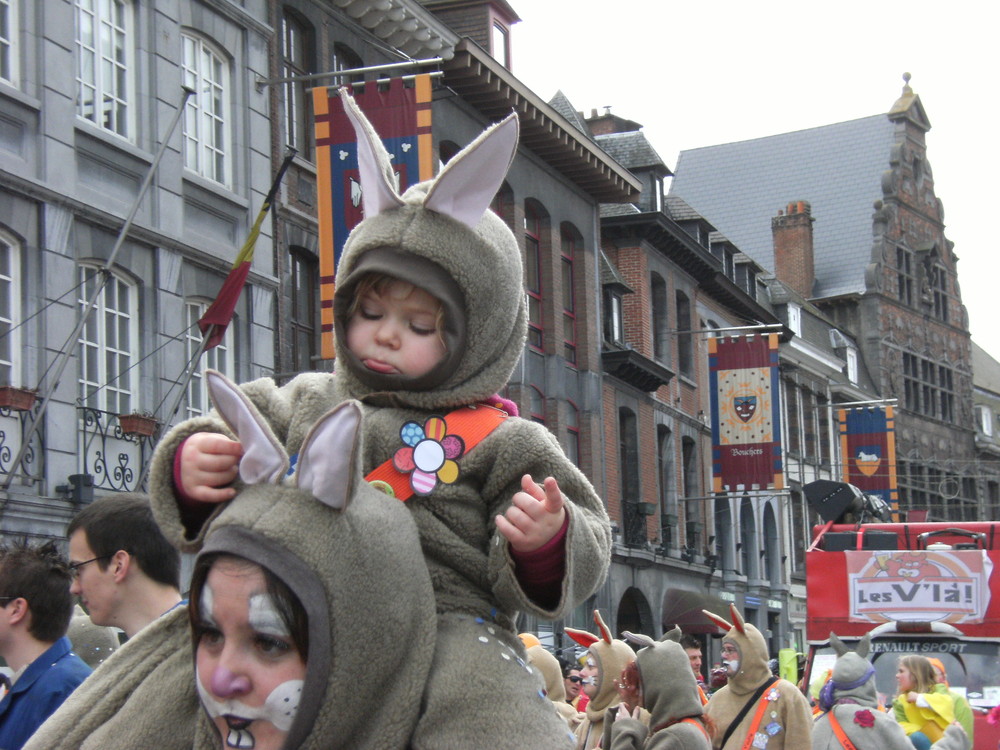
x,y
582,637
718,621
737,619
605,633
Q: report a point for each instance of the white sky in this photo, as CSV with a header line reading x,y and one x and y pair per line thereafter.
x,y
703,73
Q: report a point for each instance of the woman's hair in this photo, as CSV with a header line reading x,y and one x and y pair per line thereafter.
x,y
378,283
921,670
290,609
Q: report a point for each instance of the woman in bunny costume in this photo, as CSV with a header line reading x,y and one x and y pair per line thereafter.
x,y
346,552
850,702
441,238
668,691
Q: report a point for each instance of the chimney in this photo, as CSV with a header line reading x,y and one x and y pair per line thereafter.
x,y
793,247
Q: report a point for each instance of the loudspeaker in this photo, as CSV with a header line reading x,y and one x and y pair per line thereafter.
x,y
831,499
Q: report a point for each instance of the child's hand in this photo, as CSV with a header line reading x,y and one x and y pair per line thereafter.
x,y
535,515
209,462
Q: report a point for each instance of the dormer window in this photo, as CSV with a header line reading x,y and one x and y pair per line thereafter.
x,y
500,43
795,318
852,364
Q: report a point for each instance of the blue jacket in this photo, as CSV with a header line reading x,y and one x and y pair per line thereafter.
x,y
41,689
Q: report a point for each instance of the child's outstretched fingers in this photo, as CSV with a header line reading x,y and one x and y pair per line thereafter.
x,y
553,502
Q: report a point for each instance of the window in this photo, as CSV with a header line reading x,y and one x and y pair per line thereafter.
x,y
904,275
104,62
984,420
628,468
573,433
938,283
295,61
569,297
219,357
304,273
500,43
536,405
613,323
533,271
661,325
795,318
344,58
685,358
10,311
665,469
206,124
852,364
928,388
8,41
108,342
793,426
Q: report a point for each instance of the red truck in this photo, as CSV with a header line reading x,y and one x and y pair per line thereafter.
x,y
918,588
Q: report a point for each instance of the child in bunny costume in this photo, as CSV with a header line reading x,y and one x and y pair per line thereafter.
x,y
444,273
341,548
850,702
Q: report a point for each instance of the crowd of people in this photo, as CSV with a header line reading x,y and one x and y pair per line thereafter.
x,y
365,540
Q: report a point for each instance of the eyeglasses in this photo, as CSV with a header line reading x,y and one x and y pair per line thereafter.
x,y
575,678
74,568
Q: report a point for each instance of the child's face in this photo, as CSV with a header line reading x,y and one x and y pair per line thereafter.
x,y
395,332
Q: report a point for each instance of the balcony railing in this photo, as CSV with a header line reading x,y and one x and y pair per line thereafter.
x,y
114,459
13,426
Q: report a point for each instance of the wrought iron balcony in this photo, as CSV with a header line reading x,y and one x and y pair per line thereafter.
x,y
14,424
114,458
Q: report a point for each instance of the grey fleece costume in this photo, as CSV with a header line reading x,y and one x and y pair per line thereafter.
x,y
359,574
847,702
669,693
476,273
787,721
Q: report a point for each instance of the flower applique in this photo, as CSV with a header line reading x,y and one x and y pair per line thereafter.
x,y
428,454
773,694
864,718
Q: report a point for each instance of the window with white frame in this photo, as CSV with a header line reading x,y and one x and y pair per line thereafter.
x,y
109,342
206,116
985,420
295,61
852,364
104,64
219,357
795,318
8,41
10,310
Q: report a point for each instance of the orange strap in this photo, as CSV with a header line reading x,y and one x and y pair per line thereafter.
x,y
471,423
761,707
700,726
701,695
839,731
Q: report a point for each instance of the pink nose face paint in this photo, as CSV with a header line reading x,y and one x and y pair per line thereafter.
x,y
225,684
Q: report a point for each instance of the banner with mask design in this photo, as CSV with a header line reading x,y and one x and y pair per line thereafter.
x,y
868,447
400,111
746,414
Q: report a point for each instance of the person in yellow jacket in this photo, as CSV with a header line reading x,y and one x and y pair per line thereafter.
x,y
923,707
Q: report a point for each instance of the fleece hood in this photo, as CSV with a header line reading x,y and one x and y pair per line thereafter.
x,y
611,656
351,556
440,236
750,643
669,690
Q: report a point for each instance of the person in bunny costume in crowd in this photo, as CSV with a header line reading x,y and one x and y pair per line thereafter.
x,y
850,707
755,709
430,320
322,543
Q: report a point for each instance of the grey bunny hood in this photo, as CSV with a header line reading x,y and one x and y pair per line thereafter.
x,y
464,255
669,690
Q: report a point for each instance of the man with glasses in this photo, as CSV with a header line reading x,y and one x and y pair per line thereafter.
x,y
35,609
572,680
125,572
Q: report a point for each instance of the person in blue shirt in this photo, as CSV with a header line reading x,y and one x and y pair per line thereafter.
x,y
35,610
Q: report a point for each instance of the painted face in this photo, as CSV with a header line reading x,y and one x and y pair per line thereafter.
x,y
395,332
572,681
94,587
730,658
249,672
904,679
589,674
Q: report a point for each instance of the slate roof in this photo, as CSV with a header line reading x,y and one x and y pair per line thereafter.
x,y
632,150
561,104
739,187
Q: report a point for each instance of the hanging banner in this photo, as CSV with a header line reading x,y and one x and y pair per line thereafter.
x,y
925,586
868,447
400,112
746,416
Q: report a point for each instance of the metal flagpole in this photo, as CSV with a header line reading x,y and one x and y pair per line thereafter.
x,y
104,273
203,346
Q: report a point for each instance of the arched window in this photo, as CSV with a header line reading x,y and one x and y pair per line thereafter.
x,y
660,327
207,134
668,492
748,538
109,342
533,274
220,357
11,357
628,467
296,60
104,74
344,58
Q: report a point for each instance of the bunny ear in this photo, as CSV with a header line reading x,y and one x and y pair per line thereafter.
x,y
718,621
638,638
601,627
673,635
737,619
468,183
864,646
378,182
328,456
582,637
837,645
264,459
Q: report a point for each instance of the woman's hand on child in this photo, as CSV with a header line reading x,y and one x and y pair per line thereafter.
x,y
209,462
535,516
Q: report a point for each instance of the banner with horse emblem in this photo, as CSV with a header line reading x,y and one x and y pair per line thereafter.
x,y
868,445
746,414
400,110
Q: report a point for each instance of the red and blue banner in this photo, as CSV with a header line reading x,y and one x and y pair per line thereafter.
x,y
746,413
868,447
400,112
